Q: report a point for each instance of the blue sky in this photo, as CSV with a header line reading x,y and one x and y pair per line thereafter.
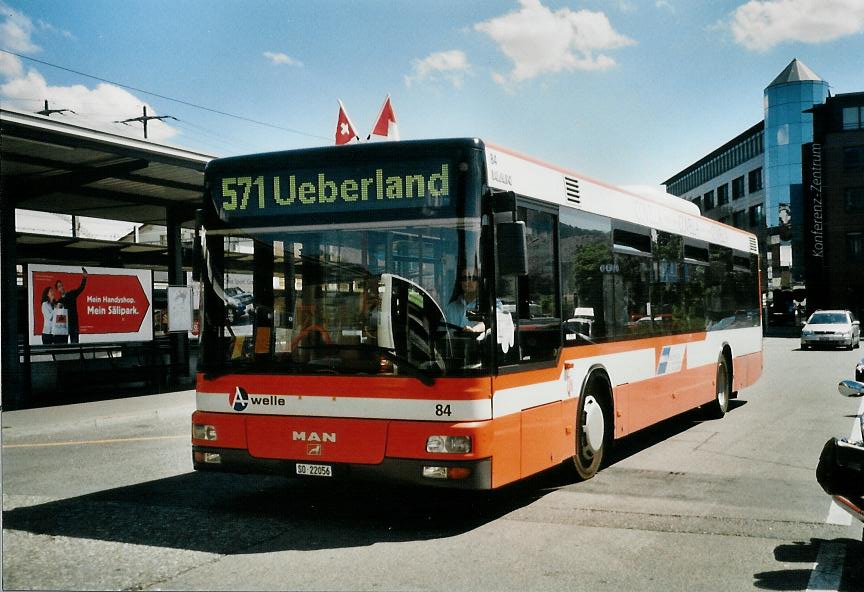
x,y
626,91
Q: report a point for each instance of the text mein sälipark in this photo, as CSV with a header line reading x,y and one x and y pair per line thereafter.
x,y
269,191
111,305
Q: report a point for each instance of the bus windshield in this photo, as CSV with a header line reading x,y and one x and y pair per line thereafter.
x,y
373,298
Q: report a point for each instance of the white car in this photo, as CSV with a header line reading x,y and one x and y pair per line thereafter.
x,y
831,328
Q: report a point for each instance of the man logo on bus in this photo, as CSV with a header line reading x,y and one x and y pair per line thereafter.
x,y
239,399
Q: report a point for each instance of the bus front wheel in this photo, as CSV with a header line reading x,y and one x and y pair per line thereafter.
x,y
592,432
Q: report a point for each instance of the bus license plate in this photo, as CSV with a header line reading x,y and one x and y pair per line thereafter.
x,y
314,470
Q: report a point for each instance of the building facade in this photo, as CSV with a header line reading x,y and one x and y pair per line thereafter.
x,y
762,181
788,126
833,169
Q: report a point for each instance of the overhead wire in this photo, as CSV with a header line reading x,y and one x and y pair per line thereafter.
x,y
166,98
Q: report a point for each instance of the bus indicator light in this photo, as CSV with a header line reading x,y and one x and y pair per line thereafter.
x,y
450,473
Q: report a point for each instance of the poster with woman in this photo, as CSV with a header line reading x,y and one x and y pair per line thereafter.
x,y
71,305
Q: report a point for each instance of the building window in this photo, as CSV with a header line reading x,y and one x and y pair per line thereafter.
x,y
754,180
755,215
708,201
722,195
854,200
738,187
738,218
853,158
853,118
855,246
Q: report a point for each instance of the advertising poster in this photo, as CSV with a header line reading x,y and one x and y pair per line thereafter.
x,y
180,309
69,305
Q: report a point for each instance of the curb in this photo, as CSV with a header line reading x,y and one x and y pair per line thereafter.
x,y
97,414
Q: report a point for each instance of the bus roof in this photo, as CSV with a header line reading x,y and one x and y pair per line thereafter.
x,y
508,170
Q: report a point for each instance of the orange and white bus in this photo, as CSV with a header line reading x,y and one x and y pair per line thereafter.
x,y
450,313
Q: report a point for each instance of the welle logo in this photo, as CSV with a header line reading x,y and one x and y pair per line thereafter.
x,y
239,399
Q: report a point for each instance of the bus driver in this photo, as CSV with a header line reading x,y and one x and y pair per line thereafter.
x,y
463,301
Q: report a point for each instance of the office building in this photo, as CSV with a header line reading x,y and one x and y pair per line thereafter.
x,y
761,180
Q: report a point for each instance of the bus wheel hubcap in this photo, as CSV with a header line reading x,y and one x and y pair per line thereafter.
x,y
594,427
722,395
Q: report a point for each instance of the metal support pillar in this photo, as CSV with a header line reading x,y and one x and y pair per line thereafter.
x,y
177,277
13,392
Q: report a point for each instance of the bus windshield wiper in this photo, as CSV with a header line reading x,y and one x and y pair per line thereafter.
x,y
422,374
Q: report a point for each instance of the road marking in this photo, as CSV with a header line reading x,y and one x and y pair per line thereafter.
x,y
828,569
89,442
837,515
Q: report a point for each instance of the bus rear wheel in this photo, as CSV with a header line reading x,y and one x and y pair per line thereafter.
x,y
592,433
722,390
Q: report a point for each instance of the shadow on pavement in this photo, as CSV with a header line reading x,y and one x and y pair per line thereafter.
x,y
643,439
237,514
806,553
233,514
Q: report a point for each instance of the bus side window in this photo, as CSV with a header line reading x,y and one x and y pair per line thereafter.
x,y
587,276
633,259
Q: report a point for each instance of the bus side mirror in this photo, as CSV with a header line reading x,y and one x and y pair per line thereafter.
x,y
512,248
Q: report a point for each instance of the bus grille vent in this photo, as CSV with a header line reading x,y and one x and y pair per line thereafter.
x,y
571,188
754,245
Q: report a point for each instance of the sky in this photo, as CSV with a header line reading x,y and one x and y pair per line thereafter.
x,y
629,92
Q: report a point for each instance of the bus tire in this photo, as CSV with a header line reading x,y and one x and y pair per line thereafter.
x,y
722,390
593,428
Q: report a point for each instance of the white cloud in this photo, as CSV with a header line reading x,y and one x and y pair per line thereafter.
x,y
763,24
451,65
540,41
97,108
280,58
46,26
10,66
16,31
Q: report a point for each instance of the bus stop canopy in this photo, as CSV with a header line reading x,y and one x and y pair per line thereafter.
x,y
51,165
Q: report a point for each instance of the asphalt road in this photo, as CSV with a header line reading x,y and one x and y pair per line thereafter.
x,y
688,505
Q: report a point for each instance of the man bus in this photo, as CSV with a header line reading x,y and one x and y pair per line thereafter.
x,y
589,313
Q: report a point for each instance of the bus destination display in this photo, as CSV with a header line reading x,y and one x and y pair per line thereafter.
x,y
334,190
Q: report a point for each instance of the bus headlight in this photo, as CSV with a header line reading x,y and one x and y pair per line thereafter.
x,y
203,432
449,444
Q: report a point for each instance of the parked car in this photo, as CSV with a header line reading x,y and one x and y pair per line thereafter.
x,y
831,328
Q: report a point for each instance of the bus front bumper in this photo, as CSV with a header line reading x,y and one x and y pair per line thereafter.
x,y
474,474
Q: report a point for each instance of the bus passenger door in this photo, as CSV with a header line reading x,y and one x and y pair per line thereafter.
x,y
529,338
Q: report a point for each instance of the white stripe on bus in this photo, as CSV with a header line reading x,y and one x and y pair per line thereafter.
x,y
622,368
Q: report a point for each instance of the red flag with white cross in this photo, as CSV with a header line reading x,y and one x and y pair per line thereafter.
x,y
345,131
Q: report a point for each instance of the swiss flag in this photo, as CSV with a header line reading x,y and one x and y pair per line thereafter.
x,y
385,127
345,131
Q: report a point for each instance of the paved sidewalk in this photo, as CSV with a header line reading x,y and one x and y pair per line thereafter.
x,y
97,413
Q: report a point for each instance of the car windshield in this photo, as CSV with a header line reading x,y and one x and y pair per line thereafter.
x,y
829,318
